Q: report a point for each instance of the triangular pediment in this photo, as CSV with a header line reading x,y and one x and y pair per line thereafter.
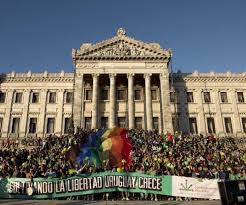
x,y
122,47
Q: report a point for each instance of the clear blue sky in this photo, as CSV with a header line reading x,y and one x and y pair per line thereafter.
x,y
204,35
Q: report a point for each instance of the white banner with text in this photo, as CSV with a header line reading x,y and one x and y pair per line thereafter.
x,y
195,187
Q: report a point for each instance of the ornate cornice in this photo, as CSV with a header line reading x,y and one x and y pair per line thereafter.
x,y
208,77
62,80
39,77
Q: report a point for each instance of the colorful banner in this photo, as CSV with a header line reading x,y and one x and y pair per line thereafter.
x,y
111,145
44,188
195,187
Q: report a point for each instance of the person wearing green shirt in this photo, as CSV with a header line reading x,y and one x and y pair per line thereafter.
x,y
233,175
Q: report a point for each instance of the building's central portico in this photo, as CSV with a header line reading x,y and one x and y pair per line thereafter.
x,y
125,78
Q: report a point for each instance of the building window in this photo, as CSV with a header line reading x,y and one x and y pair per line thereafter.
x,y
228,125
88,94
1,125
206,96
69,97
193,125
138,123
223,97
67,125
154,95
121,94
138,94
156,123
190,98
87,123
50,125
15,125
211,125
33,125
240,97
121,122
244,124
52,97
172,97
104,94
104,122
2,97
35,97
18,97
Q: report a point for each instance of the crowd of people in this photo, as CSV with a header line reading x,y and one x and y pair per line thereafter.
x,y
152,153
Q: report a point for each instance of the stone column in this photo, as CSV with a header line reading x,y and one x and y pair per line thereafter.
x,y
237,122
7,116
131,106
201,117
94,112
42,113
59,116
165,100
161,112
24,118
112,94
219,120
77,106
148,102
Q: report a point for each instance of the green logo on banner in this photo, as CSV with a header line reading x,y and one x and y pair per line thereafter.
x,y
186,186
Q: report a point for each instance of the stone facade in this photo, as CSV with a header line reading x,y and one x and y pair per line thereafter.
x,y
122,82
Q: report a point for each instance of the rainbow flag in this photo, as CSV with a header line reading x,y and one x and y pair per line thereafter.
x,y
112,145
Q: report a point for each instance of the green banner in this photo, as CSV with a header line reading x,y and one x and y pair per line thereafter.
x,y
102,182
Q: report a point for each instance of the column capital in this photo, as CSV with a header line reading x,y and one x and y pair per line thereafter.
x,y
163,75
147,75
9,90
129,75
112,75
95,75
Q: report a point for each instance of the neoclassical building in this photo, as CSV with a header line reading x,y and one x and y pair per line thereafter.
x,y
122,82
